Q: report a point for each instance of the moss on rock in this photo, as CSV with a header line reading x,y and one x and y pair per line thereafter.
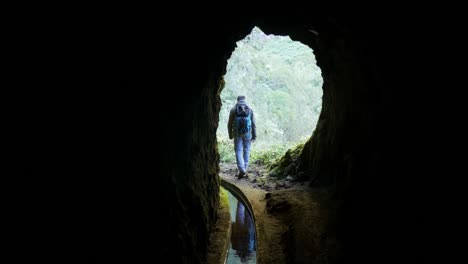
x,y
288,164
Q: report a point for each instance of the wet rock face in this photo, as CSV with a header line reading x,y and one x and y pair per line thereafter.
x,y
343,128
191,163
195,182
277,204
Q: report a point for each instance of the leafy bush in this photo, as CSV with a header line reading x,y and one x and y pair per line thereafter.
x,y
226,151
258,154
280,168
268,155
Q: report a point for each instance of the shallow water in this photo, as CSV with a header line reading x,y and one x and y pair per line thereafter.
x,y
242,248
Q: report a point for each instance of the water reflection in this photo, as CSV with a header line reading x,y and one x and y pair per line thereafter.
x,y
243,247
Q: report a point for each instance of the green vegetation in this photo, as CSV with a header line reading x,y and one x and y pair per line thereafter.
x,y
267,156
282,84
263,156
287,164
226,151
223,198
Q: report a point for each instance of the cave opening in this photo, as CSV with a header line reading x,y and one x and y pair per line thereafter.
x,y
283,86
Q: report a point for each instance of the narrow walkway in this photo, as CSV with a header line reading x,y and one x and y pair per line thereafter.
x,y
294,224
270,229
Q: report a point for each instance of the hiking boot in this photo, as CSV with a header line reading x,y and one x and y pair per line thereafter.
x,y
241,175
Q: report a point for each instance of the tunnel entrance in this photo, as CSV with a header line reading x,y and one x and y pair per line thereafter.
x,y
283,86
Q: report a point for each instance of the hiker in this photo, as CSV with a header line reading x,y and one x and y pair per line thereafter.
x,y
241,127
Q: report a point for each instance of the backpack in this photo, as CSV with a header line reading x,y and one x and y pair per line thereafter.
x,y
243,119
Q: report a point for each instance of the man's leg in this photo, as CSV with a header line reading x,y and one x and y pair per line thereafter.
x,y
246,143
238,147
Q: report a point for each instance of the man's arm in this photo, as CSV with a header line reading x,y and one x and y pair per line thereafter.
x,y
230,121
254,127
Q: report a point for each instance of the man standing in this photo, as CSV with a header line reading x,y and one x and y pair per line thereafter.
x,y
241,127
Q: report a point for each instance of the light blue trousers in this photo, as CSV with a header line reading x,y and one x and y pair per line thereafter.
x,y
242,148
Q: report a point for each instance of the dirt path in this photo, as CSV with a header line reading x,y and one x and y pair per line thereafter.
x,y
291,219
269,229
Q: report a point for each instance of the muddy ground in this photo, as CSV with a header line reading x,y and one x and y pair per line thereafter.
x,y
294,221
